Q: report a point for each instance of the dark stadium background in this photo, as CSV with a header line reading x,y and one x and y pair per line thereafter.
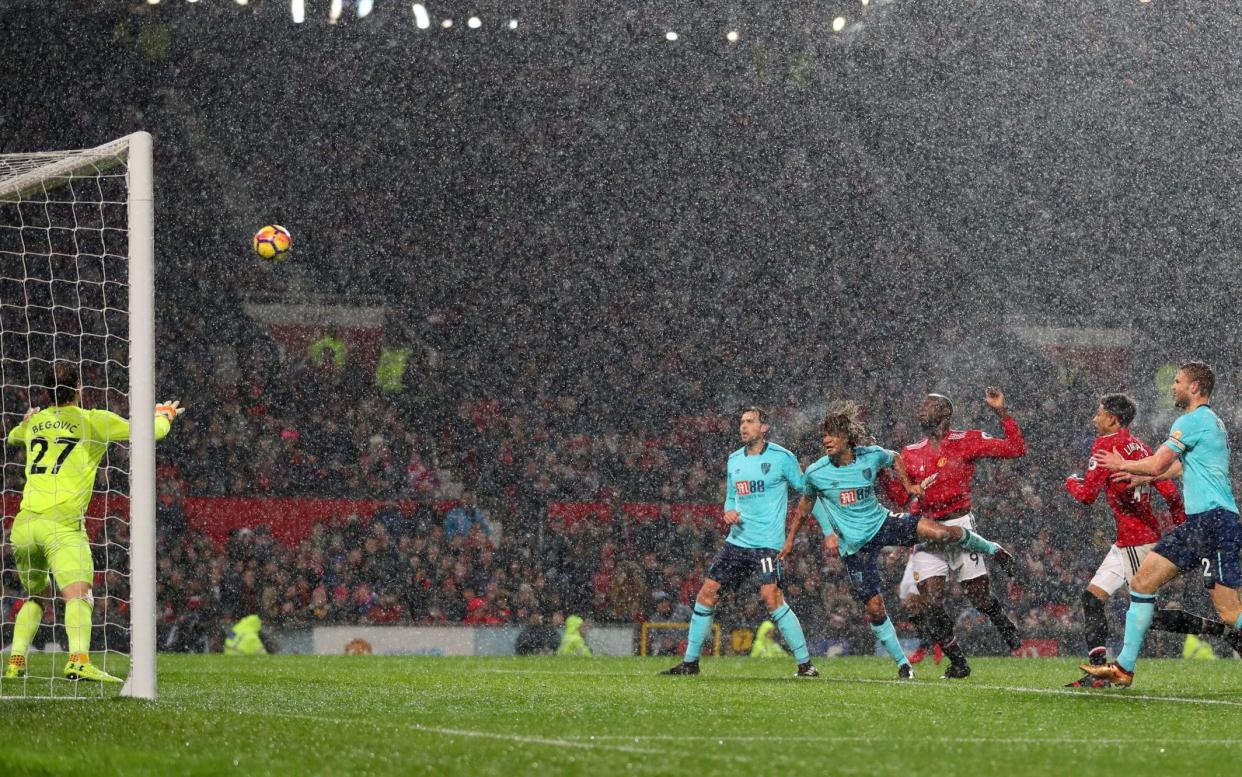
x,y
594,244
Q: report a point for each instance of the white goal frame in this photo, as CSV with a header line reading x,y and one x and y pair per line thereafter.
x,y
141,273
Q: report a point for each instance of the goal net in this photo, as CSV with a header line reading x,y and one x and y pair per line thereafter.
x,y
76,285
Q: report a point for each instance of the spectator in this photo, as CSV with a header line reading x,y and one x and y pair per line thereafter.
x,y
464,518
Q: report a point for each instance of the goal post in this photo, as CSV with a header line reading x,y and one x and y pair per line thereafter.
x,y
77,284
141,212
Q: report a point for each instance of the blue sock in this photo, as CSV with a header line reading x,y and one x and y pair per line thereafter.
x,y
1138,621
886,633
976,544
791,630
700,627
1238,625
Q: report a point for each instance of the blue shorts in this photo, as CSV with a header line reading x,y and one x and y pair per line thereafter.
x,y
1208,542
735,565
863,567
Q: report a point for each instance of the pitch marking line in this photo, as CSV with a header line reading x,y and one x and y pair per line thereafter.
x,y
466,732
906,740
1119,694
557,742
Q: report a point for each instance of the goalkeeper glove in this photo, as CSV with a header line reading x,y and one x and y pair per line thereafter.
x,y
169,410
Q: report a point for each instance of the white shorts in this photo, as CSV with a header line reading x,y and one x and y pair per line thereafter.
x,y
908,587
1118,567
939,560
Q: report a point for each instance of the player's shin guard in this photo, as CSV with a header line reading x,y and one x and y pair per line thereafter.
x,y
1094,621
25,626
1138,621
1182,622
976,543
886,634
78,625
791,630
700,627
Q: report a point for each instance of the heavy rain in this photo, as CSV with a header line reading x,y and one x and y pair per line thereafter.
x,y
545,255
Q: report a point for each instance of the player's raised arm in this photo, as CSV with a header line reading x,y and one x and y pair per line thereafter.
x,y
1011,446
113,428
1153,466
1174,472
17,435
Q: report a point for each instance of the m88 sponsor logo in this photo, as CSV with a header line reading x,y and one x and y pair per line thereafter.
x,y
748,487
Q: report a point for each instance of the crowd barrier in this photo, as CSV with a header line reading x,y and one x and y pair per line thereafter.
x,y
434,640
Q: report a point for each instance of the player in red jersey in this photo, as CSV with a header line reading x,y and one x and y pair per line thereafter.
x,y
942,464
1138,530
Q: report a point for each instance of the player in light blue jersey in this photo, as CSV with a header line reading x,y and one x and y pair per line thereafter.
x,y
758,477
844,483
1211,537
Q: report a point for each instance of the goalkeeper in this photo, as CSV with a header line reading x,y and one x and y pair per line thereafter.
x,y
64,445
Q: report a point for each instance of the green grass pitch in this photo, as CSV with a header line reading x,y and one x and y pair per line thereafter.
x,y
305,715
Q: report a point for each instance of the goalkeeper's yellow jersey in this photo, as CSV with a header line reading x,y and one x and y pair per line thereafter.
x,y
64,446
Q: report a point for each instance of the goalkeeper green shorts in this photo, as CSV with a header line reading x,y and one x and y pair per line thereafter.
x,y
43,543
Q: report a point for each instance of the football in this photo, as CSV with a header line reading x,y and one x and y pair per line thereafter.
x,y
272,243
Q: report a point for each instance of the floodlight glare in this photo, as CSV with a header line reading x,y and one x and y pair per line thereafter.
x,y
421,20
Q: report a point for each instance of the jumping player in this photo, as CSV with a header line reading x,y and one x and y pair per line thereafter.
x,y
759,476
1211,536
844,482
943,463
